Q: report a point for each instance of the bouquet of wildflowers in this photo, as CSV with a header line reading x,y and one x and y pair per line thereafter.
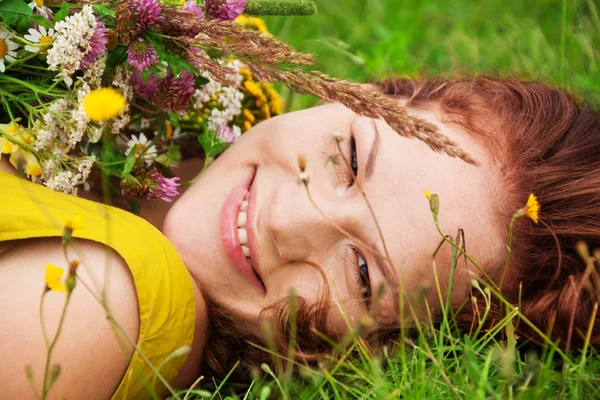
x,y
118,88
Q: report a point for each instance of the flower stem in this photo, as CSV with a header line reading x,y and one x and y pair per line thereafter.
x,y
46,389
509,247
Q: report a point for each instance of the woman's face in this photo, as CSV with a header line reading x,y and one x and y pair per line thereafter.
x,y
334,227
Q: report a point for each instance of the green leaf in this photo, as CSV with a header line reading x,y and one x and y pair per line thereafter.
x,y
9,18
174,119
211,145
104,11
42,21
23,24
16,7
115,56
130,160
62,13
200,80
176,69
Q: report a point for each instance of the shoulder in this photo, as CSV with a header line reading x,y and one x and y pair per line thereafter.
x,y
87,350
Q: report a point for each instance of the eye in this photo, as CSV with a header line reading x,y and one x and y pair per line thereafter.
x,y
362,269
352,159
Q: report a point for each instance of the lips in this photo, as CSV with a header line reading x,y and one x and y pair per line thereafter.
x,y
229,231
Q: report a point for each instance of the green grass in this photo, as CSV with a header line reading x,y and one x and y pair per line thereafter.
x,y
365,40
554,41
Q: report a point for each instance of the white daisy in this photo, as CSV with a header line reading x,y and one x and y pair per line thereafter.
x,y
39,6
143,150
41,36
7,50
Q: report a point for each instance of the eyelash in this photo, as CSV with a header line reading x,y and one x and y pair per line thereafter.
x,y
362,276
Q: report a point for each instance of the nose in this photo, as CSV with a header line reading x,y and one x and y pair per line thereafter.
x,y
302,226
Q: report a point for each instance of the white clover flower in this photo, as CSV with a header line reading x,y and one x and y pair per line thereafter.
x,y
7,50
41,36
71,43
144,150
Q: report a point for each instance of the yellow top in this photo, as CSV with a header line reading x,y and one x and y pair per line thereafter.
x,y
164,289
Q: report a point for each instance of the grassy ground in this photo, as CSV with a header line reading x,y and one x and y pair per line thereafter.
x,y
364,40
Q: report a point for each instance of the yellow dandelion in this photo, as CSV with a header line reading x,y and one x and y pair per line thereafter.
x,y
427,194
532,209
248,116
75,223
104,104
247,126
53,275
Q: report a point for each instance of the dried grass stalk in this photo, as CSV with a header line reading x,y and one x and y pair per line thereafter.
x,y
367,103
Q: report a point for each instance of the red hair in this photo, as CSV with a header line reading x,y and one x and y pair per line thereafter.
x,y
545,142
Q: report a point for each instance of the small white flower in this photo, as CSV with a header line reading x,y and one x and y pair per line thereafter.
x,y
144,149
37,5
71,43
7,50
41,36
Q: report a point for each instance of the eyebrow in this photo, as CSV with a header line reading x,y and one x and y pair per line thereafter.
x,y
372,157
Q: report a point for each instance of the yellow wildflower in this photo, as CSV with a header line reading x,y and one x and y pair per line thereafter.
x,y
242,20
266,111
532,208
247,126
32,166
75,223
254,89
277,107
428,195
7,147
53,275
258,24
104,104
245,72
248,116
169,132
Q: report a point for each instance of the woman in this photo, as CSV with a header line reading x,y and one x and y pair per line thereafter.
x,y
248,232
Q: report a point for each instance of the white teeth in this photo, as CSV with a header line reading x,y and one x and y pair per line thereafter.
x,y
244,206
243,236
246,251
242,218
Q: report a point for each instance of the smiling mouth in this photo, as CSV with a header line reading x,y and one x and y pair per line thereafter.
x,y
242,232
236,230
